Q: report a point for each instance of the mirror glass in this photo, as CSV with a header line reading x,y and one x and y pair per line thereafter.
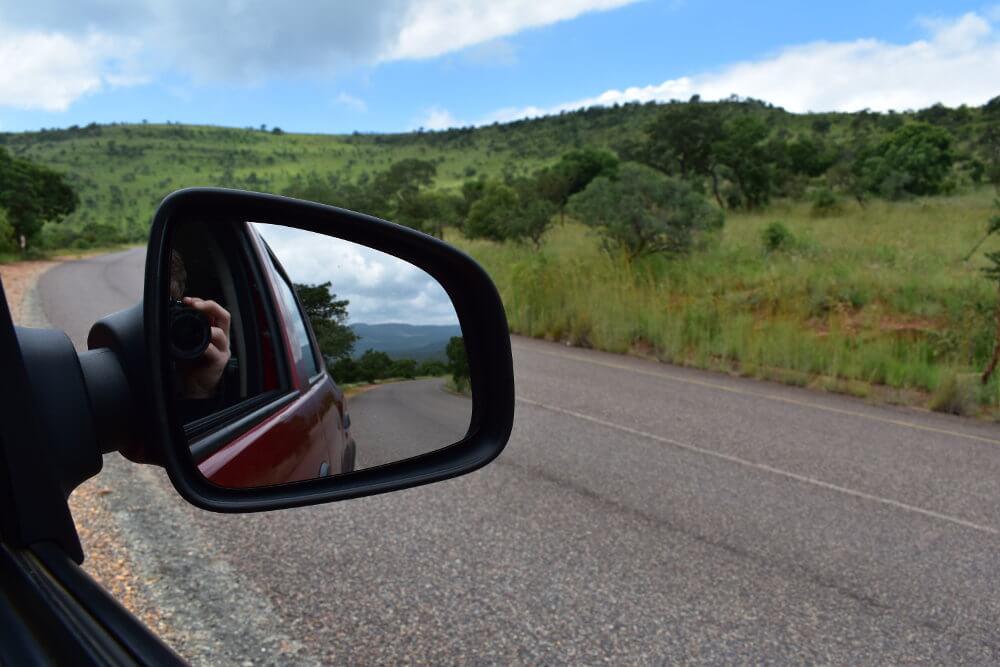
x,y
297,355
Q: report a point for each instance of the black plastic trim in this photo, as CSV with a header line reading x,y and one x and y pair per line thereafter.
x,y
481,317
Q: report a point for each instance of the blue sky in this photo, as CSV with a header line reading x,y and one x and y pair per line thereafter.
x,y
393,65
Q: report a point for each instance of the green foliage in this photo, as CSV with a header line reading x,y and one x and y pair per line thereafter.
x,y
682,139
373,365
429,211
776,236
643,211
490,214
742,151
458,362
8,239
873,296
328,317
403,368
824,202
915,159
32,194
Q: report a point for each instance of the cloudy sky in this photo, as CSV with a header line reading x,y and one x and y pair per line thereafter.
x,y
393,65
380,287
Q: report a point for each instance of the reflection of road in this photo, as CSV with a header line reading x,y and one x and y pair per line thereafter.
x,y
401,420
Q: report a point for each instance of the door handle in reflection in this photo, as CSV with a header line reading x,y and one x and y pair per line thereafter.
x,y
324,469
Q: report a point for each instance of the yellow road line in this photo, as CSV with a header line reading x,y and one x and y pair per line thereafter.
x,y
772,397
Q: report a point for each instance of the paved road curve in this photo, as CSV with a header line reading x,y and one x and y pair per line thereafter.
x,y
397,421
642,513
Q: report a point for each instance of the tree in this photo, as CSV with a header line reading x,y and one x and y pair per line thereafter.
x,y
400,182
374,365
32,195
990,140
741,149
682,138
403,368
458,362
531,220
430,211
643,211
574,171
915,159
490,214
8,240
328,317
344,370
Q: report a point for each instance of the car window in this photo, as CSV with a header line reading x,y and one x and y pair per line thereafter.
x,y
303,353
216,267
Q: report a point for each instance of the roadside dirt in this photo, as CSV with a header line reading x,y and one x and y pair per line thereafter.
x,y
18,279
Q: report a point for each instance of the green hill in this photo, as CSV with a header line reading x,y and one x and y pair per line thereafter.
x,y
122,171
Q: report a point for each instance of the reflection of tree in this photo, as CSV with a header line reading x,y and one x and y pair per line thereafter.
x,y
376,365
327,316
458,362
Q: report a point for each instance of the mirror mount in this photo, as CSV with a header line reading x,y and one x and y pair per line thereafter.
x,y
116,370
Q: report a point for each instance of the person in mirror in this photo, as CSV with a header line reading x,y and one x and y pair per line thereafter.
x,y
200,383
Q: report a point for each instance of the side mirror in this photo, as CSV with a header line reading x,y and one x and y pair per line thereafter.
x,y
299,353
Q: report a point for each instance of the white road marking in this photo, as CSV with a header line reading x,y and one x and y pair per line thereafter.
x,y
772,397
766,468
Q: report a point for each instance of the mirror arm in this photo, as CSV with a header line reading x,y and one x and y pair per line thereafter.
x,y
115,371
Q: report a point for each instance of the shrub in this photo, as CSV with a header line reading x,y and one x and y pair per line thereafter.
x,y
642,211
776,236
955,395
824,202
8,241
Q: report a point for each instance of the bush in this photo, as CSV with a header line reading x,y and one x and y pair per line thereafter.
x,y
643,211
8,240
776,236
824,202
956,394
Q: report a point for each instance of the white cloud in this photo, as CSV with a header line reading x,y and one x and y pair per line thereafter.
x,y
351,102
438,119
381,288
495,53
50,70
53,51
958,64
434,28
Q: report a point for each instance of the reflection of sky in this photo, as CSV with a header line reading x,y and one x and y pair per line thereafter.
x,y
380,287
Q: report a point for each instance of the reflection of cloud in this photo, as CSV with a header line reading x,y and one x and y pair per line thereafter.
x,y
381,288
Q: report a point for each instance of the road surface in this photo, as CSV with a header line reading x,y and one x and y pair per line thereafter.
x,y
400,420
641,514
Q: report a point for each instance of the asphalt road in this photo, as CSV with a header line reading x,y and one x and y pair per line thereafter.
x,y
641,514
397,421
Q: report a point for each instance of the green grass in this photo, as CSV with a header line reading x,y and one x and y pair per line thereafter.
x,y
873,296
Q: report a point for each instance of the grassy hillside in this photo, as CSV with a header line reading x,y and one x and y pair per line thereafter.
x,y
122,171
871,300
865,299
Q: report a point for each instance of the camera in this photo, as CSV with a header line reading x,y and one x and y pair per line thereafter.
x,y
188,331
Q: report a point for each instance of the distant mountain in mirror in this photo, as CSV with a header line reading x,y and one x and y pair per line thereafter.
x,y
405,341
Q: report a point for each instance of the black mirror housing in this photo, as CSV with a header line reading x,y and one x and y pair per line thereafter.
x,y
477,305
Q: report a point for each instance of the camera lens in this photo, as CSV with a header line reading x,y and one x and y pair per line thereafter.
x,y
189,332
